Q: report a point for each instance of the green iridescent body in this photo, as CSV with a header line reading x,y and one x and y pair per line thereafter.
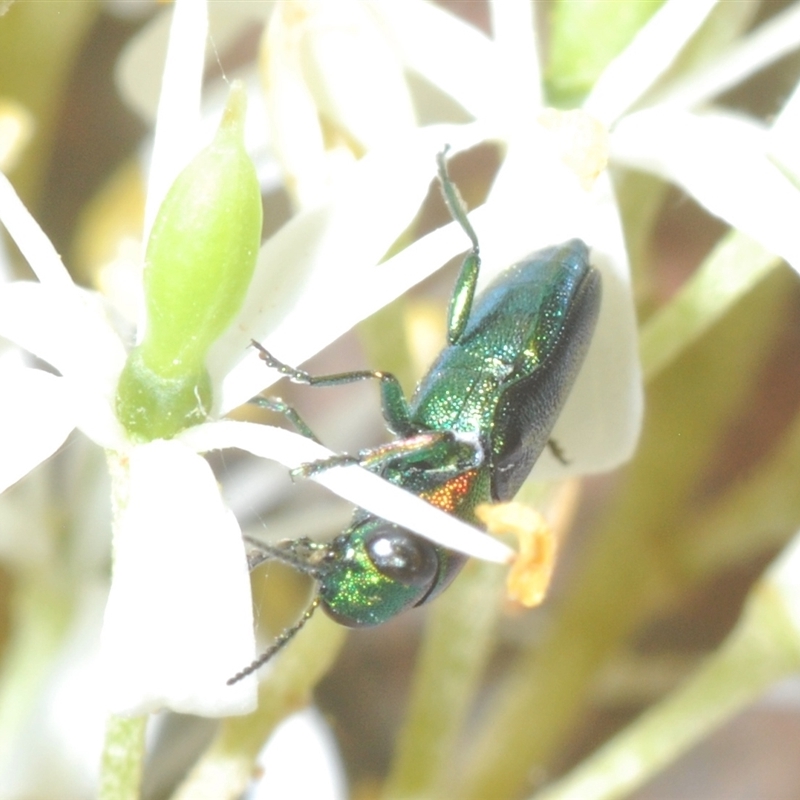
x,y
471,433
502,384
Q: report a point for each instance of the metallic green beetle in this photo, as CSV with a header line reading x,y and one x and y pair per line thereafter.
x,y
471,433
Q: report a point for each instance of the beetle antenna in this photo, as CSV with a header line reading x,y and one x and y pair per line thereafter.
x,y
301,554
279,643
453,200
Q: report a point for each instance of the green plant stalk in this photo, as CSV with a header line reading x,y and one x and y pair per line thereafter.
x,y
449,667
122,759
630,566
584,37
228,766
735,265
763,648
726,23
757,514
40,616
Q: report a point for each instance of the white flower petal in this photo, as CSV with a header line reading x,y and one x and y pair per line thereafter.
x,y
179,619
536,201
514,26
300,761
721,160
770,41
178,121
69,330
450,53
654,48
351,482
372,104
294,125
37,413
784,575
140,67
316,277
31,239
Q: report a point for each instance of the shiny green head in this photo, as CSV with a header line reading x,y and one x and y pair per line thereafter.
x,y
377,569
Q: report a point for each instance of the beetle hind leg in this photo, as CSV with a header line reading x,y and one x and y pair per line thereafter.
x,y
555,448
467,280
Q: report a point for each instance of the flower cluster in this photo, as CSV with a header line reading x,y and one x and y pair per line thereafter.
x,y
150,378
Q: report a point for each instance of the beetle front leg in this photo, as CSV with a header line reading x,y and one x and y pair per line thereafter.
x,y
278,406
438,455
407,451
395,408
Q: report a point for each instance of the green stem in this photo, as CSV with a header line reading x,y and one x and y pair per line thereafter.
x,y
753,517
123,756
735,265
40,616
763,648
449,667
630,564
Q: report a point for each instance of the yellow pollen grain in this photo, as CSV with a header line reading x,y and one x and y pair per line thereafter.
x,y
530,574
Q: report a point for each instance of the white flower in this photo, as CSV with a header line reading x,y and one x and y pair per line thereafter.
x,y
721,158
179,620
300,740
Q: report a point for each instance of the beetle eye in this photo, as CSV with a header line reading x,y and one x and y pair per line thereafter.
x,y
403,557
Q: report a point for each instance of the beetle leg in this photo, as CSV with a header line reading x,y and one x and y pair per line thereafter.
x,y
440,447
464,290
304,554
415,452
315,467
555,449
280,407
396,412
373,458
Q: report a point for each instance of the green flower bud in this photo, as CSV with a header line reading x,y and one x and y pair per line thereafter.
x,y
199,262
